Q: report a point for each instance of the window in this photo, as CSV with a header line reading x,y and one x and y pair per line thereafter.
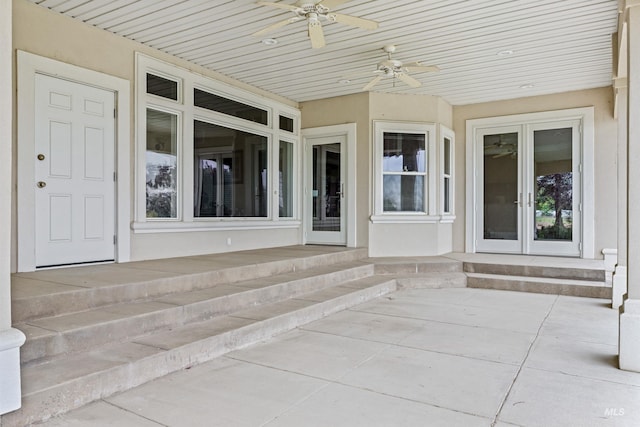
x,y
223,105
403,172
403,154
447,170
286,123
231,172
160,86
285,190
161,158
215,160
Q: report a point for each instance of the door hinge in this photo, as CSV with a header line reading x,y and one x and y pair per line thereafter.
x,y
580,246
115,239
580,168
580,207
115,113
115,176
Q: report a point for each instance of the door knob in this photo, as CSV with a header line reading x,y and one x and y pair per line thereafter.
x,y
41,184
40,156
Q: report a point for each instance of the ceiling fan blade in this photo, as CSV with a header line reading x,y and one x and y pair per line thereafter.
x,y
278,5
416,67
409,80
372,83
316,34
275,26
331,4
497,156
367,24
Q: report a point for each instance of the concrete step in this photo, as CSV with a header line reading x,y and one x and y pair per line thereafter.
x,y
432,281
508,269
53,292
55,385
415,265
543,285
80,331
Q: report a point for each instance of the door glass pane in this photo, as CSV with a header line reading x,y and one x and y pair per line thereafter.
x,y
553,184
501,186
326,187
162,164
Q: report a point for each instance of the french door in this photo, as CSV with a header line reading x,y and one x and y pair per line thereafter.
x,y
528,189
325,190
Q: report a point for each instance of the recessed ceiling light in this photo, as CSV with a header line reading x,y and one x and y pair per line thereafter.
x,y
344,81
269,42
505,52
527,86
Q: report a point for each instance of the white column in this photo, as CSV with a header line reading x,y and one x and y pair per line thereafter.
x,y
10,339
619,280
629,347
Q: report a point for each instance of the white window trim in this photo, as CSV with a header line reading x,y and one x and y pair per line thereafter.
x,y
587,117
431,214
446,133
28,65
188,80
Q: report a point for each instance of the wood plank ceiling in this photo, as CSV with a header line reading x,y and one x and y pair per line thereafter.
x,y
486,49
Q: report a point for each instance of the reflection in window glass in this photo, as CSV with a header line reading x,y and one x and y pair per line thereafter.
x,y
160,86
553,160
285,191
403,152
230,172
223,105
161,164
403,193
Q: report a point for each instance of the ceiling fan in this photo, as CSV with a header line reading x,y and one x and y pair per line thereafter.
x,y
314,12
500,149
393,68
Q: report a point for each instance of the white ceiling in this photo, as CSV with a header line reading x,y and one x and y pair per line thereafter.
x,y
558,45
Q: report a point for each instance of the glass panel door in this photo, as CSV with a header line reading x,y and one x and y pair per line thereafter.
x,y
499,202
528,191
325,195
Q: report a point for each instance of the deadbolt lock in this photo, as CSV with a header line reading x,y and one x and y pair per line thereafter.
x,y
41,184
40,156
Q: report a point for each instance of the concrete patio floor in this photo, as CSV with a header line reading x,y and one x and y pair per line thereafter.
x,y
421,357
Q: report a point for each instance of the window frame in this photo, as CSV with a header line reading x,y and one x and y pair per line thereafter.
x,y
188,113
429,131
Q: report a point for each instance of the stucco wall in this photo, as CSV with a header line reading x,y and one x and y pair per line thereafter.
x,y
342,110
605,153
42,32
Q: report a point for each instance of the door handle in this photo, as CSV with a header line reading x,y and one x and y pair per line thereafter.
x,y
41,184
529,200
519,201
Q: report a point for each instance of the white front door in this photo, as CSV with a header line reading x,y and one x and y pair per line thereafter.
x,y
74,173
325,192
529,189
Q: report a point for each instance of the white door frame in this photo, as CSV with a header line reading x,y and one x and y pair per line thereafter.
x,y
586,117
28,65
348,131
